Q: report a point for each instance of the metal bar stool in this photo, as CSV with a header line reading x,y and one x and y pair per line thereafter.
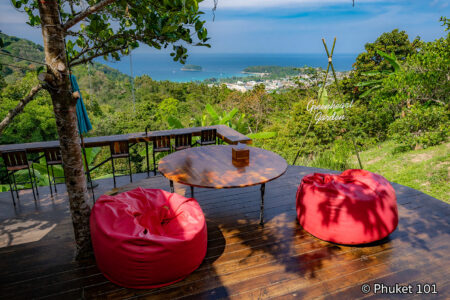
x,y
17,160
53,158
182,141
208,137
160,144
120,150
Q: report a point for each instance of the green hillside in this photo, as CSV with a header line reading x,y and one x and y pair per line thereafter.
x,y
426,170
106,84
22,48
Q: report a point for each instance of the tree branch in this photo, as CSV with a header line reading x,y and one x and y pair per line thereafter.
x,y
74,33
20,106
85,60
95,47
89,11
75,62
71,7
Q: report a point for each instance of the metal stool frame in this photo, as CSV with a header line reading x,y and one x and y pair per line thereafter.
x,y
17,160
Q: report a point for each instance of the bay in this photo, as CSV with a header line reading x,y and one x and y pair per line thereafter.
x,y
160,66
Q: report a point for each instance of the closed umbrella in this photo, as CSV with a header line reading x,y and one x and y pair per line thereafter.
x,y
84,124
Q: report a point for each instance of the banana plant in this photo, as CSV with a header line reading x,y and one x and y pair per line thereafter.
x,y
217,119
239,124
376,83
212,117
174,122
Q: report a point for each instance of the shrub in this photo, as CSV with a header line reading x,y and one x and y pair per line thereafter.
x,y
421,127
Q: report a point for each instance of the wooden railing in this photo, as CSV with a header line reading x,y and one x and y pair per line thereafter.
x,y
225,133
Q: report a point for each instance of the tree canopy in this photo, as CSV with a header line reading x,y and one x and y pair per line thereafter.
x,y
111,28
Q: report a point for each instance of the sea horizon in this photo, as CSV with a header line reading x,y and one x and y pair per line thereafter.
x,y
160,66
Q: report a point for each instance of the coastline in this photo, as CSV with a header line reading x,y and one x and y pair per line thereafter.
x,y
160,66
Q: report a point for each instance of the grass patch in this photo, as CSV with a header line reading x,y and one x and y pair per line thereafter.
x,y
426,170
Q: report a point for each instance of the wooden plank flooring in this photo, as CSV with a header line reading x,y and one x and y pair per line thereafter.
x,y
243,261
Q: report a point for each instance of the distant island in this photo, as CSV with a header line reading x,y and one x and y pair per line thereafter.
x,y
191,68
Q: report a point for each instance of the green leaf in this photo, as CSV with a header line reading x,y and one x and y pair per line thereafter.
x,y
210,110
391,59
17,4
228,116
91,153
174,123
323,95
366,93
370,82
198,25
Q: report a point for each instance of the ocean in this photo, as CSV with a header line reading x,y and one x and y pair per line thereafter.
x,y
160,66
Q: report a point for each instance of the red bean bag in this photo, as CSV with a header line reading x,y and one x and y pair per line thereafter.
x,y
355,207
147,238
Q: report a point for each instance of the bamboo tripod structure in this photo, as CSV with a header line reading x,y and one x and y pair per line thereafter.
x,y
330,65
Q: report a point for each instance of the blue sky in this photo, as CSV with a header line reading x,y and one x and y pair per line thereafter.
x,y
291,26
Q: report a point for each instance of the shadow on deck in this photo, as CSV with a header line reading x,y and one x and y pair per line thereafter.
x,y
243,260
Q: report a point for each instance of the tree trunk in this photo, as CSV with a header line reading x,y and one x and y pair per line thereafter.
x,y
64,106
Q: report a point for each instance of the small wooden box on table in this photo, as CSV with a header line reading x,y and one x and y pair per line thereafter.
x,y
240,156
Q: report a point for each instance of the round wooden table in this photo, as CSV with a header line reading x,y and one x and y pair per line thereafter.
x,y
213,167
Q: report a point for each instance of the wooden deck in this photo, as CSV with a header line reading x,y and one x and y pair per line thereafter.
x,y
244,260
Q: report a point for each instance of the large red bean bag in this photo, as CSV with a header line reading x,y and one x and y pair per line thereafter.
x,y
355,207
147,238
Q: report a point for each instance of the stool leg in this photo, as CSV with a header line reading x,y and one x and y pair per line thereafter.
x,y
146,156
54,179
171,187
192,191
154,163
49,181
35,180
93,195
11,190
114,175
15,185
129,166
32,185
261,213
